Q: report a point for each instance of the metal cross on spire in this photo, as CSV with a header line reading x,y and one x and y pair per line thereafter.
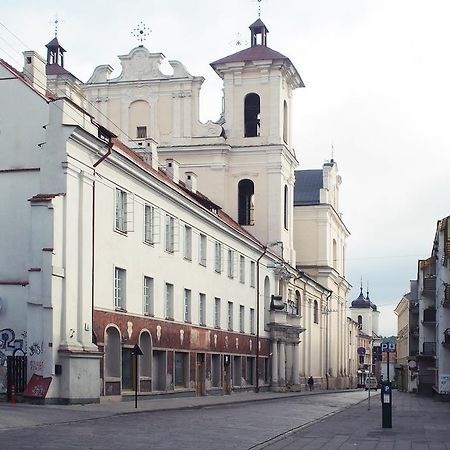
x,y
141,32
259,8
55,22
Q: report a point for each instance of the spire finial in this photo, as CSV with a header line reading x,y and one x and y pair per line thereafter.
x,y
332,152
367,289
259,8
361,285
141,32
55,22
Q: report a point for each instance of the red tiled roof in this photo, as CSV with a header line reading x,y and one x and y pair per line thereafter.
x,y
44,197
254,53
198,198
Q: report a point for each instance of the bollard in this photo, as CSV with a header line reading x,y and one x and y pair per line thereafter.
x,y
13,394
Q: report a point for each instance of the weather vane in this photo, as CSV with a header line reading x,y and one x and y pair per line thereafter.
x,y
141,32
55,22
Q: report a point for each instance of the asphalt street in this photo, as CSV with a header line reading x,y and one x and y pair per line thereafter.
x,y
215,426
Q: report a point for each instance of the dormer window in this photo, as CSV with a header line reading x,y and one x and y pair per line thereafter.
x,y
252,111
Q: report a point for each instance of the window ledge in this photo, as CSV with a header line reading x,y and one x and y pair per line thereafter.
x,y
122,232
146,314
119,309
170,318
149,243
187,259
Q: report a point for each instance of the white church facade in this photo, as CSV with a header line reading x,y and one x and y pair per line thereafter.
x,y
135,224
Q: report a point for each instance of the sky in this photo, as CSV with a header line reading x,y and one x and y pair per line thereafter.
x,y
377,90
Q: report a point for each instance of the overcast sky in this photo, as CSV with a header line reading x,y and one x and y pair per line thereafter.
x,y
377,76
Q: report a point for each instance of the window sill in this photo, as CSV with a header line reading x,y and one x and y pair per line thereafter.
x,y
146,314
202,324
119,309
188,321
122,232
218,271
170,252
149,243
170,318
201,264
187,259
217,327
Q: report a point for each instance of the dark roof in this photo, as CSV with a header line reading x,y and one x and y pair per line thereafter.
x,y
254,53
361,302
308,184
54,43
258,24
55,69
372,305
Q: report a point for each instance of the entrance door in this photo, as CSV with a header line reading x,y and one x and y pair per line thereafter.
x,y
128,369
227,374
200,375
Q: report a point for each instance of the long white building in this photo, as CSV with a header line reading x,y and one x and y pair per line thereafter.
x,y
181,239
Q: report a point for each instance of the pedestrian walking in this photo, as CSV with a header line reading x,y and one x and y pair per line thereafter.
x,y
311,383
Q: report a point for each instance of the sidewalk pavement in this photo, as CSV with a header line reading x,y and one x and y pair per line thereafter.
x,y
417,423
27,415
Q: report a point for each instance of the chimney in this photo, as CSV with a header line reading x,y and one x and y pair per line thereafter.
x,y
149,152
191,181
34,70
173,170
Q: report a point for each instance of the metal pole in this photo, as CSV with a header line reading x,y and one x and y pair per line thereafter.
x,y
135,380
257,319
369,393
388,378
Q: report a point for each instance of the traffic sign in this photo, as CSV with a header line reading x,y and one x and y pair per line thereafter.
x,y
361,351
137,351
388,347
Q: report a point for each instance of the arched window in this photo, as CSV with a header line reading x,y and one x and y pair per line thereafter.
x,y
252,110
112,353
139,119
286,207
360,320
316,312
246,200
145,361
298,303
285,122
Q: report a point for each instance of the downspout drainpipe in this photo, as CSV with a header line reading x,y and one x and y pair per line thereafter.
x,y
326,337
109,146
257,318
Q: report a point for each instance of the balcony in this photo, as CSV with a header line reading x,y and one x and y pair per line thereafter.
x,y
429,287
429,315
428,349
446,341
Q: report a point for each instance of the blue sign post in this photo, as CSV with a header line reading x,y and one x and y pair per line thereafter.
x,y
386,389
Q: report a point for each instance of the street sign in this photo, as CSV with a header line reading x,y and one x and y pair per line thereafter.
x,y
137,351
361,351
388,347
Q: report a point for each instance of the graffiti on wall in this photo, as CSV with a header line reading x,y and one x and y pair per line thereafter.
x,y
36,348
9,345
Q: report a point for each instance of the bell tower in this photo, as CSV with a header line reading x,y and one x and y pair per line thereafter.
x,y
258,88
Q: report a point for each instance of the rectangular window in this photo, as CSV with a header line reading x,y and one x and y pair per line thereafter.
x,y
230,263
215,371
202,309
169,301
181,369
148,296
241,318
218,259
217,312
119,288
121,210
149,224
252,321
230,316
202,250
170,234
242,269
141,132
188,242
252,274
187,305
